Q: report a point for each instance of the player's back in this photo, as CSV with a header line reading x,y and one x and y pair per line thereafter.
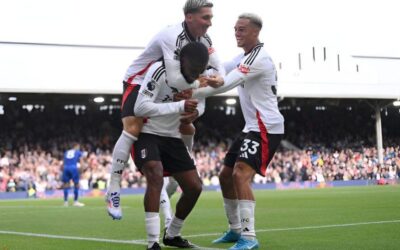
x,y
165,45
166,125
72,157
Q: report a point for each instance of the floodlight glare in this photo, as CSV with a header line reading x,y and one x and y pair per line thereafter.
x,y
396,103
231,101
98,99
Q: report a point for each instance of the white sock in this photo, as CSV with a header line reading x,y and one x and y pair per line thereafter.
x,y
120,157
172,186
188,140
174,228
165,204
246,210
152,227
232,213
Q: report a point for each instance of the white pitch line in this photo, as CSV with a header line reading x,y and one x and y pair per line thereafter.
x,y
305,228
58,207
135,242
143,242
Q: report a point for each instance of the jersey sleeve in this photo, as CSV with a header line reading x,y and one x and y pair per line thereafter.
x,y
232,64
145,105
215,63
235,77
201,106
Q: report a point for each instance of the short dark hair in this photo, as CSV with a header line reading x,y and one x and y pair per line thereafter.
x,y
196,52
193,6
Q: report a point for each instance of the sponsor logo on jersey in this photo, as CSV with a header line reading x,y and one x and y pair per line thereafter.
x,y
151,85
148,93
211,50
244,69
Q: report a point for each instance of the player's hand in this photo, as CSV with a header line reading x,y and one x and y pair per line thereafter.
x,y
214,81
189,117
183,95
190,105
203,81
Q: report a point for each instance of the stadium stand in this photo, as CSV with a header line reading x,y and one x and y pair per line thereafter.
x,y
334,140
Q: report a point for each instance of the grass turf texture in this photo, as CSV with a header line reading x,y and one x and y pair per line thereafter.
x,y
332,218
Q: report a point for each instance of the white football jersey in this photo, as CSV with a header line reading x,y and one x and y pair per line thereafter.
x,y
256,78
166,45
155,102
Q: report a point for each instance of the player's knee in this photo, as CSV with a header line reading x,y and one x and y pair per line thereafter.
x,y
192,188
133,125
225,176
241,174
154,176
196,189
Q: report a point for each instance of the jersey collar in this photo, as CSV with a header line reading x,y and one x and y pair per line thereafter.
x,y
187,33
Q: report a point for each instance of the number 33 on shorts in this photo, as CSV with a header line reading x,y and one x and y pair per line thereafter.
x,y
249,147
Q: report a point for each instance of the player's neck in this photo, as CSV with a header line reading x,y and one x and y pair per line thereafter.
x,y
249,47
190,33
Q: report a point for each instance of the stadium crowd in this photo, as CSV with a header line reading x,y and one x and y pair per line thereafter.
x,y
32,145
20,170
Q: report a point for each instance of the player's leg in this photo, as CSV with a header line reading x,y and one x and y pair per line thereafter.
x,y
131,128
242,176
255,154
231,206
191,186
231,203
153,171
187,134
75,179
66,178
165,204
178,162
147,160
172,186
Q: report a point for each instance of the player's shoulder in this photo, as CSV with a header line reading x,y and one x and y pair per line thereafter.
x,y
257,55
157,71
206,40
171,31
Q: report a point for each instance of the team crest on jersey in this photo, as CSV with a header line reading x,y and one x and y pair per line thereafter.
x,y
143,153
244,69
211,50
151,85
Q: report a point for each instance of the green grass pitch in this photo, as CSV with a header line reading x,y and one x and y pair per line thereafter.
x,y
332,218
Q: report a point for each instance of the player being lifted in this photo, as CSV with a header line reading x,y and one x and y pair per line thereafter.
x,y
160,150
167,45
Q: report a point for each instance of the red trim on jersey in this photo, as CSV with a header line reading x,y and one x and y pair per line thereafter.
x,y
133,151
128,90
130,79
166,173
264,144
